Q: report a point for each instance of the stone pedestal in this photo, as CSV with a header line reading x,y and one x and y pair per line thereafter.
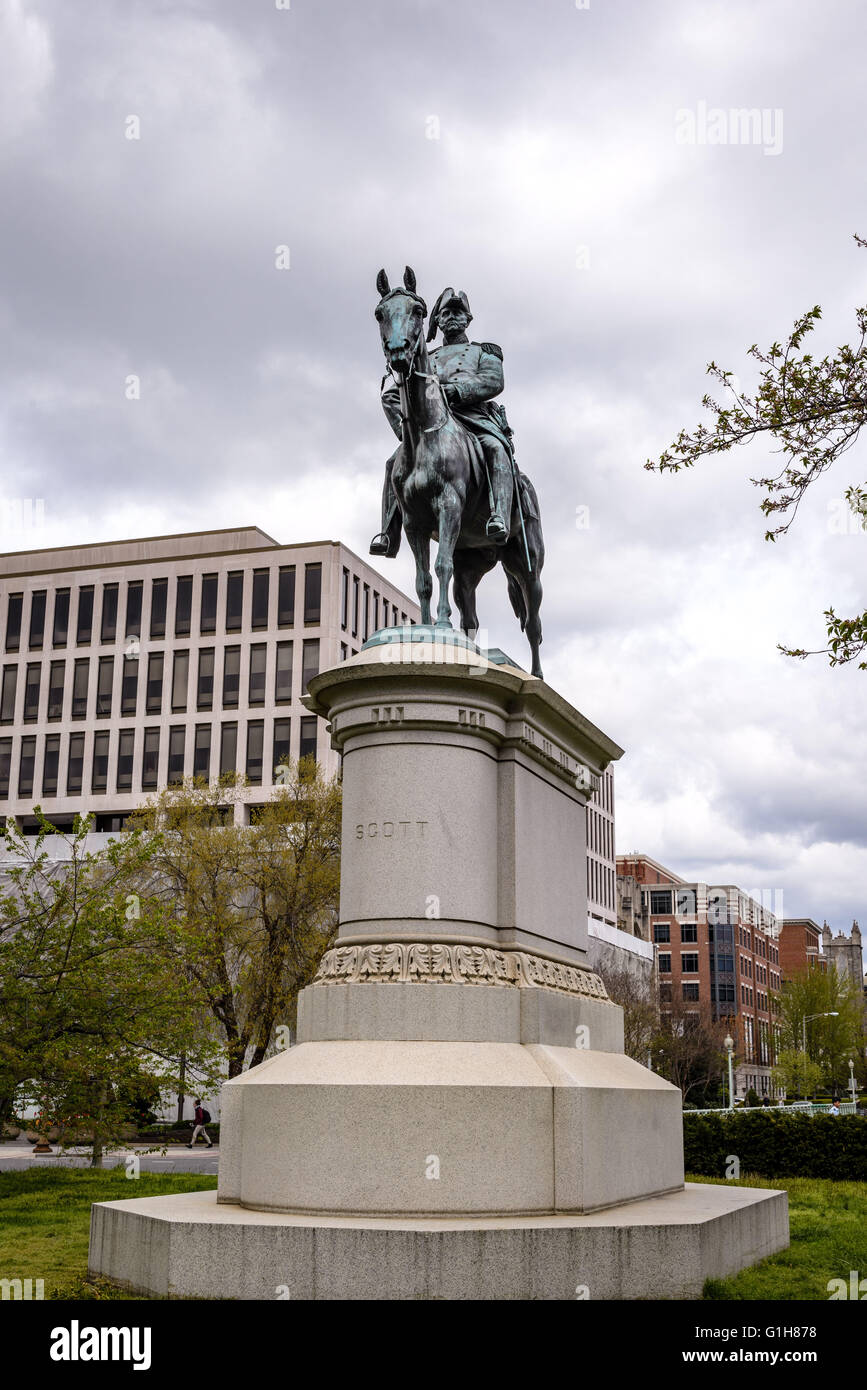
x,y
458,1118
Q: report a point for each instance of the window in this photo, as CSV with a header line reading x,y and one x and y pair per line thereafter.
x,y
125,754
689,962
309,663
37,619
84,628
108,630
283,677
75,764
725,991
13,622
26,763
208,616
7,699
50,765
56,674
256,689
661,931
5,765
154,695
80,680
228,748
183,605
312,593
281,744
202,752
129,685
665,992
355,606
105,681
234,600
231,677
344,651
685,899
659,903
344,599
61,618
259,613
180,679
393,615
286,596
690,991
134,590
307,744
255,742
150,758
689,932
31,692
725,964
159,604
205,685
665,965
99,777
375,611
176,755
365,614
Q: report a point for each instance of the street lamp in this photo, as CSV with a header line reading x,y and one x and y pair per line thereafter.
x,y
729,1045
808,1018
852,1086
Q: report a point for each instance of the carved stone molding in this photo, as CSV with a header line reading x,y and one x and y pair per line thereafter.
x,y
434,962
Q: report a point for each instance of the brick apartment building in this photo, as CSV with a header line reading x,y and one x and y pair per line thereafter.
x,y
715,944
799,947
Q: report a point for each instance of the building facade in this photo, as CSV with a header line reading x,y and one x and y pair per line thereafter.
x,y
715,945
130,665
799,940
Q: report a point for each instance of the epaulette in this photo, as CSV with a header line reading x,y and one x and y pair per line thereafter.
x,y
493,348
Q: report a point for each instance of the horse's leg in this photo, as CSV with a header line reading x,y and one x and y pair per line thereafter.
x,y
470,567
530,589
420,546
449,528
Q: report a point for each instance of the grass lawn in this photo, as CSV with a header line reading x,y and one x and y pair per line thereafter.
x,y
45,1222
828,1229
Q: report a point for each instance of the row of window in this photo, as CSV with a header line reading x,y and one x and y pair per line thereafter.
x,y
172,668
97,611
662,932
600,833
689,991
215,750
688,963
600,884
363,610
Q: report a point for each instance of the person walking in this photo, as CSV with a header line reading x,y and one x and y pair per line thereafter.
x,y
200,1120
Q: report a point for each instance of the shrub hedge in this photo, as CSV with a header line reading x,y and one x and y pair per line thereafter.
x,y
777,1145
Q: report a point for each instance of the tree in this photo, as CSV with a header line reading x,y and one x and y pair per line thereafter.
x,y
255,906
814,410
794,1073
688,1046
830,1041
640,1014
90,1005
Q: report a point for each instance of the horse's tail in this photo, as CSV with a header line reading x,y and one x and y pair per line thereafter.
x,y
516,597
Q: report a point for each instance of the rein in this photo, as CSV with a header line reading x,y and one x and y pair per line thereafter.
x,y
400,382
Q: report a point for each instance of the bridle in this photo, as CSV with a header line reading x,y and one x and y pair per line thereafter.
x,y
400,380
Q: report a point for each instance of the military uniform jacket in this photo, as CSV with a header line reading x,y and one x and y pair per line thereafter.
x,y
474,371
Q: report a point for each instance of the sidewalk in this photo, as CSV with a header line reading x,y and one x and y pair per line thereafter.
x,y
177,1158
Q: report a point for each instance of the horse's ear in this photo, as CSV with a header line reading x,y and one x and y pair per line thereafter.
x,y
382,284
409,279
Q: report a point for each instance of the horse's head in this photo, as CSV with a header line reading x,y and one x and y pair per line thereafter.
x,y
401,314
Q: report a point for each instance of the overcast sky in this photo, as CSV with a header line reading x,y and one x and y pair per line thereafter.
x,y
526,151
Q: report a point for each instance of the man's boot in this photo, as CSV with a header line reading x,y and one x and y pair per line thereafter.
x,y
497,528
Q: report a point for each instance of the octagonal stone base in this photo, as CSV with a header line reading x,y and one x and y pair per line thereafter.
x,y
189,1246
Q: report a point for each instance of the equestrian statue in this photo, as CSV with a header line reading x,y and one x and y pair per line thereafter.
x,y
453,476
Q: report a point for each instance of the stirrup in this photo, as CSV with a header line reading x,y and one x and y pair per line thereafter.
x,y
496,529
380,545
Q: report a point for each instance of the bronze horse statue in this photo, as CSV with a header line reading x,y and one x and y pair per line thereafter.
x,y
441,488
